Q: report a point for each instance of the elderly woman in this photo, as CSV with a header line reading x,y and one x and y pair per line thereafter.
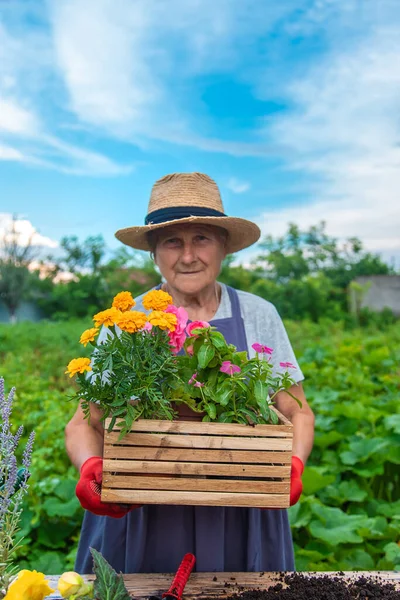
x,y
189,235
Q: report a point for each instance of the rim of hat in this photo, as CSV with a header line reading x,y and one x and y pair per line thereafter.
x,y
181,198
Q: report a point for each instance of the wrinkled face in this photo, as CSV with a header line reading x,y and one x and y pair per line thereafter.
x,y
190,256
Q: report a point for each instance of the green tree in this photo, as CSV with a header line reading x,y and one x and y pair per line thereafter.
x,y
16,256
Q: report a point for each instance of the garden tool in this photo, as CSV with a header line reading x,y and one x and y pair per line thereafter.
x,y
180,580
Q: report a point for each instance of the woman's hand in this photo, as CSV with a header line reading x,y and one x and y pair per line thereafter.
x,y
296,485
88,491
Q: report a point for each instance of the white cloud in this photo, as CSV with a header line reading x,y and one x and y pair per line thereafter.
x,y
25,232
343,132
237,186
17,120
8,153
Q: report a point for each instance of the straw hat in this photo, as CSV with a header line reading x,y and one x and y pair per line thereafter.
x,y
189,198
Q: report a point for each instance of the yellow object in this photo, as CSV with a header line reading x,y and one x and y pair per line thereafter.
x,y
156,300
132,321
88,336
163,320
78,365
107,317
123,301
28,585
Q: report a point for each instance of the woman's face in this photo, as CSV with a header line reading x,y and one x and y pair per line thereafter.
x,y
190,256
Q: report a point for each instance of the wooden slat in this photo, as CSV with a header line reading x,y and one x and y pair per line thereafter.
x,y
196,485
205,585
200,441
195,427
198,455
196,498
182,468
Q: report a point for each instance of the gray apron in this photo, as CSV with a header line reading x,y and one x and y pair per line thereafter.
x,y
154,538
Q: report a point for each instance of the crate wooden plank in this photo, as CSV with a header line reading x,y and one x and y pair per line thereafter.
x,y
200,441
182,468
196,485
196,498
201,428
196,463
197,455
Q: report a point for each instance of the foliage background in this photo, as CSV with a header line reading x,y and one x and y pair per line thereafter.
x,y
349,515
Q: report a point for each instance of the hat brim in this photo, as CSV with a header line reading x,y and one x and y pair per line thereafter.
x,y
241,233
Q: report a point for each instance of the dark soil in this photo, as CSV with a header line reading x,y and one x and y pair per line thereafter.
x,y
299,587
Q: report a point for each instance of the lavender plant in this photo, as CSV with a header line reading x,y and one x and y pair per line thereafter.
x,y
13,486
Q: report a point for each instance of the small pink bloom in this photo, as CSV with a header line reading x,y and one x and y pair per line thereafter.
x,y
261,349
190,350
177,338
287,365
147,327
196,325
198,384
229,368
192,379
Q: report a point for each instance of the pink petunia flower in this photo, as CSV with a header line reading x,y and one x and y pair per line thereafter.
x,y
196,325
192,379
229,368
261,349
287,365
177,338
147,327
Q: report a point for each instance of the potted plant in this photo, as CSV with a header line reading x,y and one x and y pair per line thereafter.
x,y
240,452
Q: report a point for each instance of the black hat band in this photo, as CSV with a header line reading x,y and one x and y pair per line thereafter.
x,y
180,212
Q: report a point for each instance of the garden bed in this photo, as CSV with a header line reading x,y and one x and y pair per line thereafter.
x,y
196,463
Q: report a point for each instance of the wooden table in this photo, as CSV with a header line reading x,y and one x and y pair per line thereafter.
x,y
143,585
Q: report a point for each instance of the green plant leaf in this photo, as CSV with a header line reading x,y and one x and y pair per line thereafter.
x,y
260,392
314,480
108,584
336,527
205,355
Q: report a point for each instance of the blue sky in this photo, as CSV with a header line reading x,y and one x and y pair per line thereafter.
x,y
292,106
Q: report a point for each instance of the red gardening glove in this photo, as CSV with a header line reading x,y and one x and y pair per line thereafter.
x,y
88,491
296,485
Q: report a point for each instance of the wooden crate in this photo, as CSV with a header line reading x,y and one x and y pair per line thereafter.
x,y
196,463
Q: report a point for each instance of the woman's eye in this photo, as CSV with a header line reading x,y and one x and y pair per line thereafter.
x,y
171,242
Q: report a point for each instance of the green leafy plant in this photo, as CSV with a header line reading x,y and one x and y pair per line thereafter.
x,y
108,585
225,384
136,373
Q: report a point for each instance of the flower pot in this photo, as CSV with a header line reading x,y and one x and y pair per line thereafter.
x,y
196,463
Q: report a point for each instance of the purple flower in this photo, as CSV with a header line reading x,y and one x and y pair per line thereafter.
x,y
287,365
198,384
261,349
229,368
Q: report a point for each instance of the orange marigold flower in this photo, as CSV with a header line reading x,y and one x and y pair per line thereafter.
x,y
123,301
163,320
132,321
89,336
107,317
78,365
156,300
